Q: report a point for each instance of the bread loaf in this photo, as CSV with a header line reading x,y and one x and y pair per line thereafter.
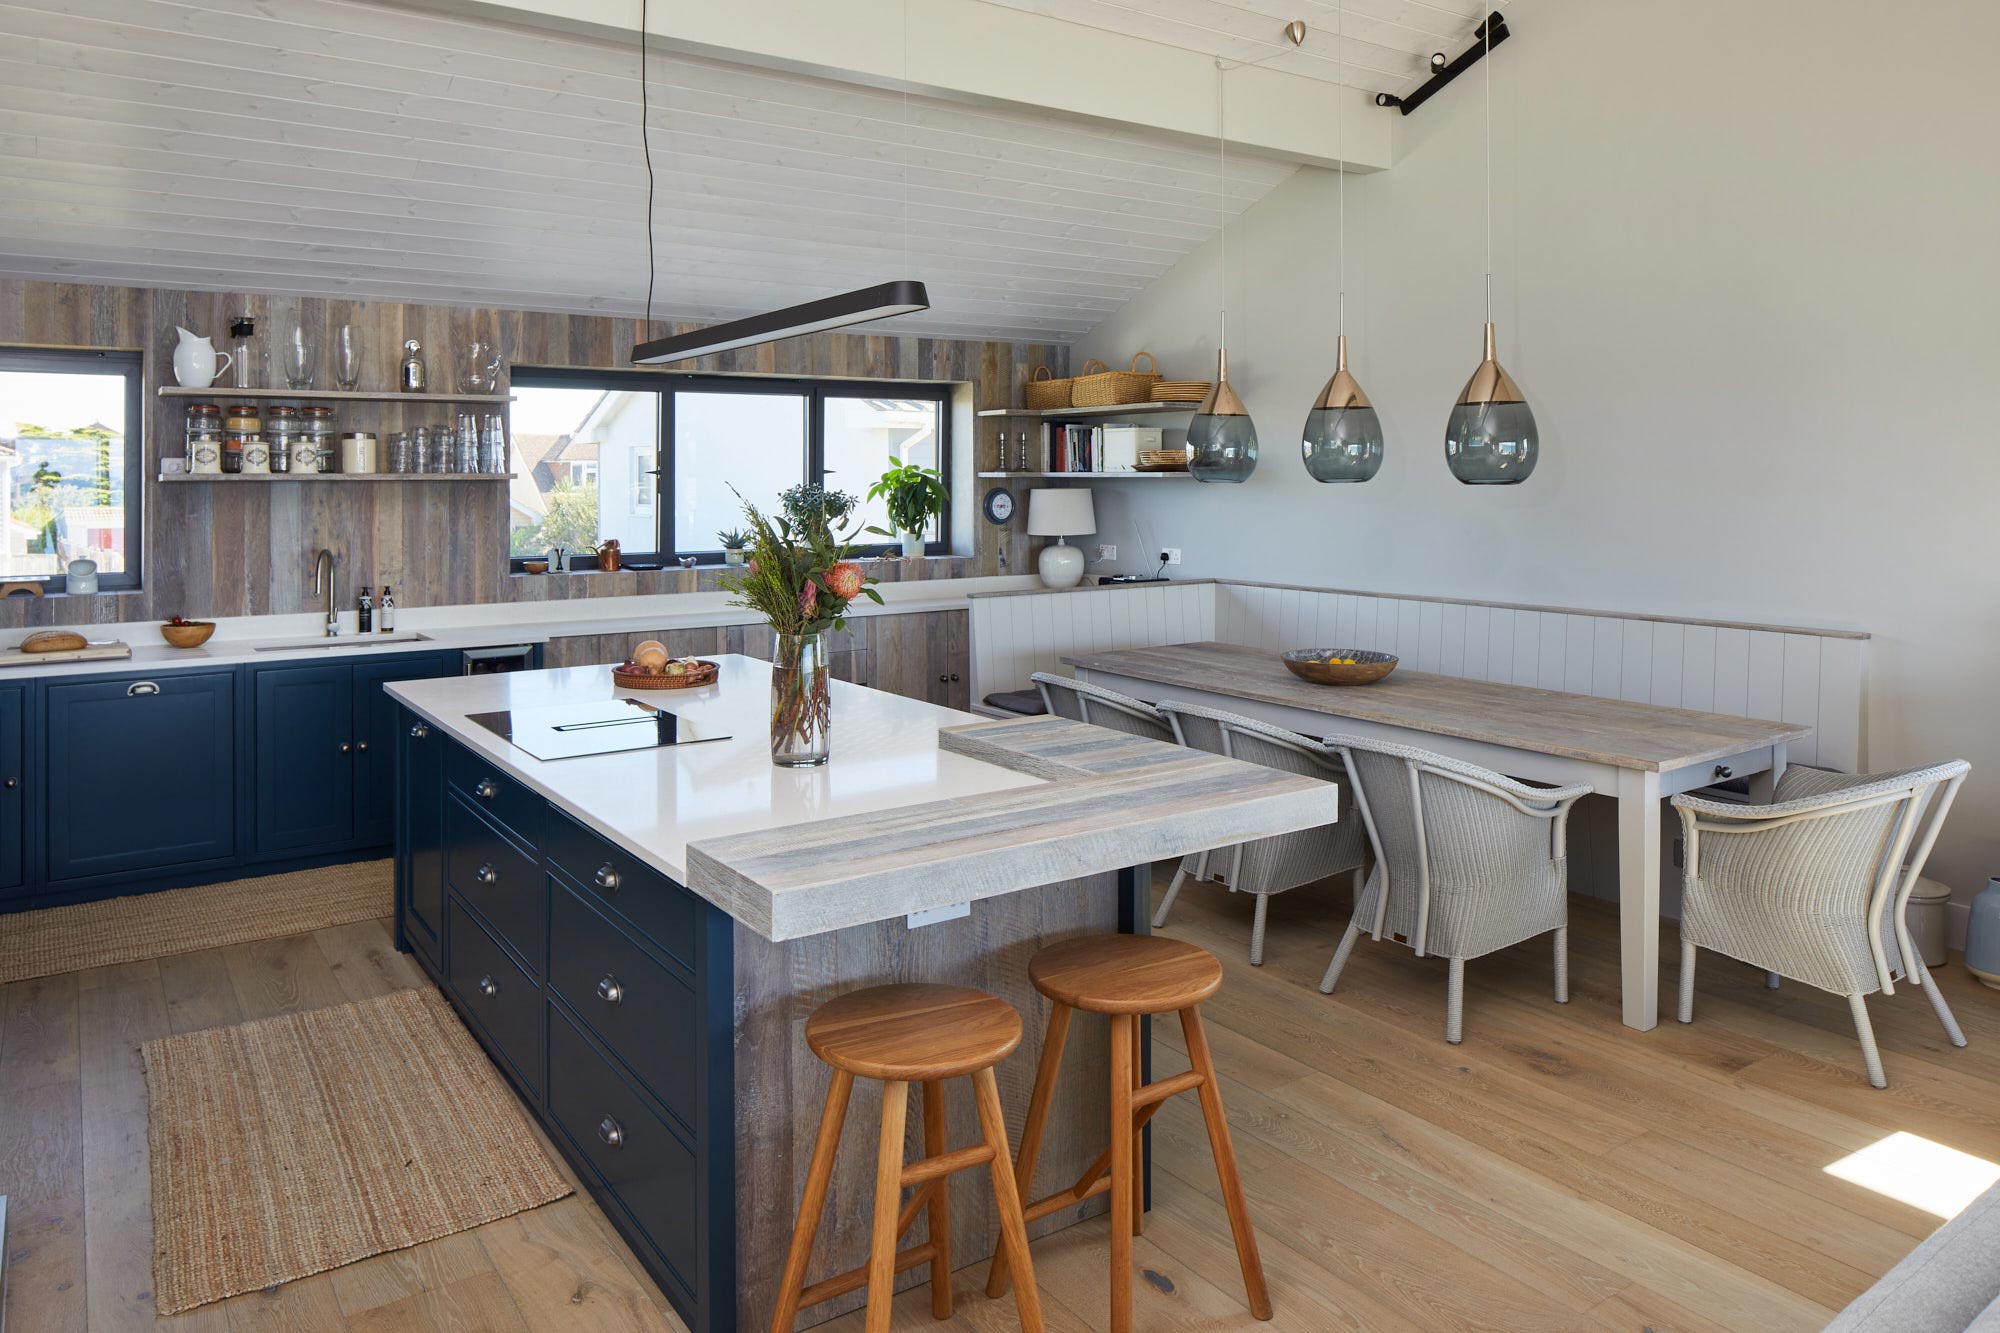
x,y
54,641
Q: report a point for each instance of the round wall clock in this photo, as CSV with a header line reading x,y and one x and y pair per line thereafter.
x,y
999,506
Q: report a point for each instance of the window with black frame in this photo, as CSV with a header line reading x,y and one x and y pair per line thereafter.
x,y
659,461
70,457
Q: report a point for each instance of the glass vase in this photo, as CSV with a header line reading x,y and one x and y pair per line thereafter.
x,y
800,701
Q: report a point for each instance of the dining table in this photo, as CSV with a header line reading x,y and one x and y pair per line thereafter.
x,y
1636,753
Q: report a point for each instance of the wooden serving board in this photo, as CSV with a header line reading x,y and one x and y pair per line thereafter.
x,y
102,651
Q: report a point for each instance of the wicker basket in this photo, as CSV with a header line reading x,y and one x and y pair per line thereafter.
x,y
1109,388
1043,391
1180,391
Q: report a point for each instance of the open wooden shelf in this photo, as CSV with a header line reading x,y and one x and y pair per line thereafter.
x,y
1088,476
253,478
223,393
1116,410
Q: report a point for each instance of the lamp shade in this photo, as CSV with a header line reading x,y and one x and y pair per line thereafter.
x,y
1061,513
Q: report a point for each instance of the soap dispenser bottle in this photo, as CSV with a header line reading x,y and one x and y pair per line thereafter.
x,y
365,612
387,611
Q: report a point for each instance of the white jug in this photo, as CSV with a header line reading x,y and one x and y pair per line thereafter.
x,y
194,361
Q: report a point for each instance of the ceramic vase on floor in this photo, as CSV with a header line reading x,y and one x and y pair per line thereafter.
x,y
1982,935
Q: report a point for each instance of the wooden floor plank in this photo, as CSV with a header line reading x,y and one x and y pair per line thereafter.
x,y
41,1173
38,1031
283,976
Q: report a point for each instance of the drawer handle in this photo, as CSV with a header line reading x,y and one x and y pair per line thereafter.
x,y
609,991
1724,772
139,687
606,878
485,790
486,874
488,986
611,1133
420,732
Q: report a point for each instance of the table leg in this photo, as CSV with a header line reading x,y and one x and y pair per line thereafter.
x,y
1639,895
1764,786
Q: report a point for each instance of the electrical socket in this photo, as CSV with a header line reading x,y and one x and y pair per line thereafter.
x,y
1105,551
1170,555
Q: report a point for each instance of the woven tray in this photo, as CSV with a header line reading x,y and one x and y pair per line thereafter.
x,y
1180,391
704,673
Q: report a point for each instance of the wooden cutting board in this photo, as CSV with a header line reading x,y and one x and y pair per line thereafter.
x,y
102,651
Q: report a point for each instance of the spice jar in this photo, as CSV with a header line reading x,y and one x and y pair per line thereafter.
x,y
283,428
315,451
204,438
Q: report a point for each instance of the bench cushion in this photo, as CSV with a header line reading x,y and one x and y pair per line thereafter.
x,y
1028,703
1943,1286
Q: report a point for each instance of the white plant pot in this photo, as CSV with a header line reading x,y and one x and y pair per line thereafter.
x,y
732,557
913,545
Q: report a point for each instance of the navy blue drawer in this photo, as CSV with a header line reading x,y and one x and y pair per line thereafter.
x,y
660,910
639,1008
640,1159
502,799
504,1001
488,871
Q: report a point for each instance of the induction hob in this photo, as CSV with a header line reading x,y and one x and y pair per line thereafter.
x,y
610,726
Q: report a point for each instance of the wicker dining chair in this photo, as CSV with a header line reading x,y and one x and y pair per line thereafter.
x,y
1080,701
1813,886
1467,861
1266,866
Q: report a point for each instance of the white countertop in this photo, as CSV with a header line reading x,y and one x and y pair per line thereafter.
x,y
279,638
653,803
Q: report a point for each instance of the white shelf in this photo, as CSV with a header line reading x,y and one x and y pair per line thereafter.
x,y
1117,410
222,393
1087,476
253,478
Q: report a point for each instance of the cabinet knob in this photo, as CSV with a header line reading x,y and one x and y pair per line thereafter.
x,y
943,679
609,991
487,986
486,874
611,1133
362,746
486,791
954,678
11,783
420,732
345,748
606,878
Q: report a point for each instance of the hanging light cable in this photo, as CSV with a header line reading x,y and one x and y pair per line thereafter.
x,y
1343,439
1222,439
1490,439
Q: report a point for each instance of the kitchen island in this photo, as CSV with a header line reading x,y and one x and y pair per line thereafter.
x,y
638,937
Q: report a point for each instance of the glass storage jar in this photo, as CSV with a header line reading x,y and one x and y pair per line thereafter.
x,y
318,425
204,438
283,427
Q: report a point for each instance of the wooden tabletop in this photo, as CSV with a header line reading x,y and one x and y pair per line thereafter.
x,y
1520,717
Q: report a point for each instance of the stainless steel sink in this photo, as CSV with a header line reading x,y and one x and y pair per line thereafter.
x,y
345,641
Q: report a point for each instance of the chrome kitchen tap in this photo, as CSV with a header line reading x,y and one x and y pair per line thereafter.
x,y
323,582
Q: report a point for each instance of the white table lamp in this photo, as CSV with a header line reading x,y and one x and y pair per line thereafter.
x,y
1060,514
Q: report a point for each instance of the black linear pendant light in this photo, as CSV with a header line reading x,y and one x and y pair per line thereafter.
x,y
901,297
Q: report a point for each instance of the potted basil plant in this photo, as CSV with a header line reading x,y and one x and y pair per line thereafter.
x,y
915,496
735,542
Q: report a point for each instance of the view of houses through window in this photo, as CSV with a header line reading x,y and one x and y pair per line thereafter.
x,y
63,462
588,451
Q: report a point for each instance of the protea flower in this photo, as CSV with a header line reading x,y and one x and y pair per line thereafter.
x,y
808,597
844,580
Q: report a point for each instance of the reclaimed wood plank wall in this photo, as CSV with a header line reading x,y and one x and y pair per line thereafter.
x,y
222,550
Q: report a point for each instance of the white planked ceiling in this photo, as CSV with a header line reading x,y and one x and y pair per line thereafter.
x,y
341,148
1386,48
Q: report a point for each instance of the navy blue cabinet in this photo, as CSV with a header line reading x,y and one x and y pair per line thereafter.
x,y
420,842
141,773
13,786
325,770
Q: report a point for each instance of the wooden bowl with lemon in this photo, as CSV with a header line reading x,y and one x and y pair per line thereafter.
x,y
1339,666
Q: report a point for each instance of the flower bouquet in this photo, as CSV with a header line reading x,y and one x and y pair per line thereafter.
x,y
799,578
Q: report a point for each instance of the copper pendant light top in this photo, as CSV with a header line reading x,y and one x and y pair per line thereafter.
x,y
1222,400
1490,383
1343,390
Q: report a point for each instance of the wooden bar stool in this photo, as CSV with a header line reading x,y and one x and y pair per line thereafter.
x,y
902,1035
1128,977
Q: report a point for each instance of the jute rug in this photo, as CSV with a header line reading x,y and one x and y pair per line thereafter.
x,y
155,925
288,1146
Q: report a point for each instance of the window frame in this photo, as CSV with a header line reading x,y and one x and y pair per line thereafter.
x,y
130,363
666,384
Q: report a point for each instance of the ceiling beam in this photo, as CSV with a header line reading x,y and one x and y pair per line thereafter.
x,y
985,54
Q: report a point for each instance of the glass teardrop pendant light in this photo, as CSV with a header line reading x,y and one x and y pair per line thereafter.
x,y
1342,440
1491,439
1222,439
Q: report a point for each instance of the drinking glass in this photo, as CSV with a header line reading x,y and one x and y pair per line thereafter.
x,y
301,359
347,358
482,366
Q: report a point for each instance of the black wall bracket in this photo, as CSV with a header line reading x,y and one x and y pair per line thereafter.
x,y
1486,36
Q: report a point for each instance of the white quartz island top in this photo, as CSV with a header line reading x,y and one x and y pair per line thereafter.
x,y
920,806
